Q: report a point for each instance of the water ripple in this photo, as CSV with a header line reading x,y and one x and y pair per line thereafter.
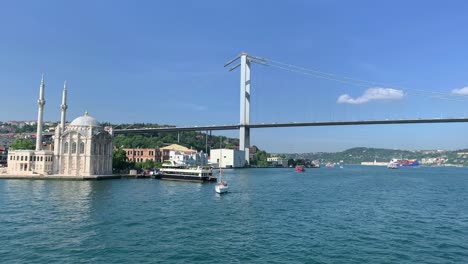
x,y
353,215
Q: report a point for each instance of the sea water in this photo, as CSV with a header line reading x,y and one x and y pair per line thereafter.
x,y
356,214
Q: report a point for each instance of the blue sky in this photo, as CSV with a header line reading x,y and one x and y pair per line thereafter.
x,y
162,62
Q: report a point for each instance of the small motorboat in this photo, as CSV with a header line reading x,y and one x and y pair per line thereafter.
x,y
299,168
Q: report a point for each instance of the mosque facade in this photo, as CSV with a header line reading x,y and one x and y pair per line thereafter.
x,y
82,148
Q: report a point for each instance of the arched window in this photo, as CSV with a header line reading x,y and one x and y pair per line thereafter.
x,y
65,148
73,147
81,148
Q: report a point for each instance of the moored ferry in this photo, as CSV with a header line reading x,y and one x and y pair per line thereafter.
x,y
185,173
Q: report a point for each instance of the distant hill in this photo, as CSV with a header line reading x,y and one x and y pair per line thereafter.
x,y
361,154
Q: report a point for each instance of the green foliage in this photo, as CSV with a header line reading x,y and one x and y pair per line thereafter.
x,y
120,161
358,155
260,159
22,144
190,139
300,162
148,165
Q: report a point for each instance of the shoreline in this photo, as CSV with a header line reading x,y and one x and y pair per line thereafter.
x,y
64,178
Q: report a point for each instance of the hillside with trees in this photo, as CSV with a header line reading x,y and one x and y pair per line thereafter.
x,y
361,154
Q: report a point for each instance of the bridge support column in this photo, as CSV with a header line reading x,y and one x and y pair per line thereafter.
x,y
244,142
206,142
244,131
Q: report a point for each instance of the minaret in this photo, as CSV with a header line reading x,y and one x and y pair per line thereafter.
x,y
40,103
64,107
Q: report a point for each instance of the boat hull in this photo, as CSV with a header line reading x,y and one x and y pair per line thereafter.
x,y
221,188
181,177
299,168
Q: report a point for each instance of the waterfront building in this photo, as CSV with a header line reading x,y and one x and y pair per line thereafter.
x,y
165,151
277,161
142,154
228,158
188,158
84,148
81,149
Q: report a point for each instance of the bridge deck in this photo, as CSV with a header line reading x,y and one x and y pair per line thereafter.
x,y
291,124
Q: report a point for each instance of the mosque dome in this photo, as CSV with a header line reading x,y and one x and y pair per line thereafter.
x,y
85,120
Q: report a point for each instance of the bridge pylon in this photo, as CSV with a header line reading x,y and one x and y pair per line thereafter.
x,y
244,130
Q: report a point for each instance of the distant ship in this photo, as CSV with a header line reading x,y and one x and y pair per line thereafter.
x,y
403,163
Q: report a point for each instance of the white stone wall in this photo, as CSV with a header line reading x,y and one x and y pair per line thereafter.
x,y
84,151
30,162
230,157
193,159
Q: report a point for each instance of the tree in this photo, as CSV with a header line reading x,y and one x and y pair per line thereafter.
x,y
300,162
260,158
22,144
148,164
120,160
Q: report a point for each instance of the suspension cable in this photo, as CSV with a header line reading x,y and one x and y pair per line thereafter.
x,y
353,81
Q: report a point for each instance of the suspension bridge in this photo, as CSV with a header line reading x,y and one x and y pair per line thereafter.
x,y
244,62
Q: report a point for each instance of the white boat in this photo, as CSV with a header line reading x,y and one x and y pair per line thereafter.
x,y
221,187
180,172
392,165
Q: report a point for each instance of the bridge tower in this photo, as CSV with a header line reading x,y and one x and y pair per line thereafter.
x,y
244,132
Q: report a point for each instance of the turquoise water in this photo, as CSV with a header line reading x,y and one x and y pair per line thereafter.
x,y
329,215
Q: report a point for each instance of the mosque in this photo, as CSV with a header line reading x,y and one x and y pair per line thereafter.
x,y
81,149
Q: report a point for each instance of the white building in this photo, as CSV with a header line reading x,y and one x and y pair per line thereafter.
x,y
228,158
81,149
30,162
188,158
277,161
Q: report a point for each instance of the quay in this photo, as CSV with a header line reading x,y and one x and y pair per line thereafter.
x,y
62,177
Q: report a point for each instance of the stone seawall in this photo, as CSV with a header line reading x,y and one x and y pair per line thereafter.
x,y
61,177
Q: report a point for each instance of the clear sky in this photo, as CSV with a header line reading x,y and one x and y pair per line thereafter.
x,y
162,62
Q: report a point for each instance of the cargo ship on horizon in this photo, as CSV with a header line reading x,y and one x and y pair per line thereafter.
x,y
403,163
